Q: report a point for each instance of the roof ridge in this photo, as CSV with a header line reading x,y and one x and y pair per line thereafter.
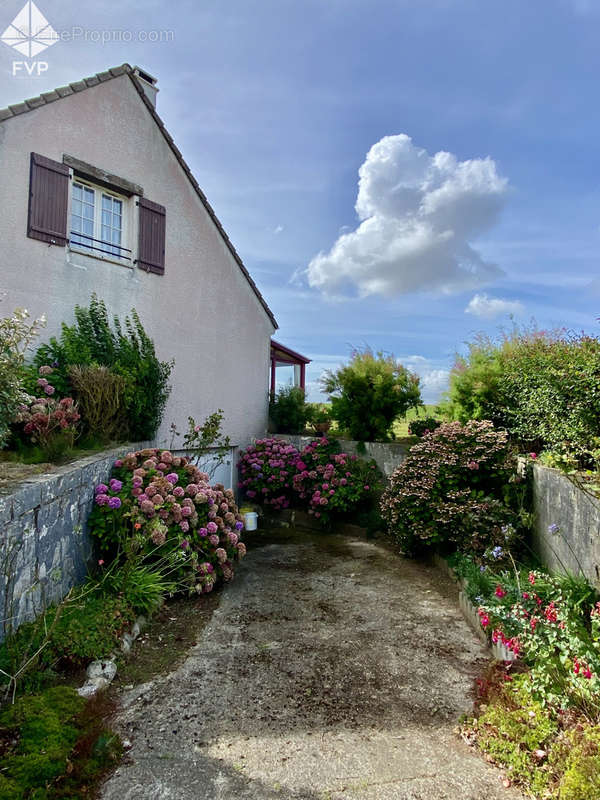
x,y
114,72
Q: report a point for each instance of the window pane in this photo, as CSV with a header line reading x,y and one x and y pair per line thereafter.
x,y
112,224
82,215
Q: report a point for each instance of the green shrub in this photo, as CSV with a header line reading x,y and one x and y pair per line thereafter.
x,y
370,393
16,334
450,491
87,625
127,352
419,427
474,391
144,587
543,387
289,410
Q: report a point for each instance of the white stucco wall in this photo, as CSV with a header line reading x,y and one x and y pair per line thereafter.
x,y
202,312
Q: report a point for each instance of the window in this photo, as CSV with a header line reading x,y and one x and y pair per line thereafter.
x,y
98,221
107,216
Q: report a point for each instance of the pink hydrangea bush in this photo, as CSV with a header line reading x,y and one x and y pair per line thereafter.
x,y
160,504
320,478
267,469
49,421
334,484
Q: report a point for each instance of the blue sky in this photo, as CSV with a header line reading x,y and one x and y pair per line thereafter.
x,y
276,104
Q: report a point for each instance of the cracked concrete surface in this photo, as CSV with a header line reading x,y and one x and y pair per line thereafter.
x,y
331,670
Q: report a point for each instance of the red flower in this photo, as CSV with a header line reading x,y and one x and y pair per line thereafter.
x,y
499,592
531,578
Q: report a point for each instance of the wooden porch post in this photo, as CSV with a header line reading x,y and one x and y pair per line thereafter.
x,y
273,368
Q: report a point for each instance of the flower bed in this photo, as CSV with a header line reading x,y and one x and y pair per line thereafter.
x,y
532,710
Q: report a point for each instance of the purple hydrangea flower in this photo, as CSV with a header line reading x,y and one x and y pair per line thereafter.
x,y
184,544
115,485
173,477
102,499
212,527
203,532
102,488
114,502
239,525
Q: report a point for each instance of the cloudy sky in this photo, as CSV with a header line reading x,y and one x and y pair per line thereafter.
x,y
395,173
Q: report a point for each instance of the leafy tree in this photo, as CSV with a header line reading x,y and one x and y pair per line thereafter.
x,y
289,410
369,393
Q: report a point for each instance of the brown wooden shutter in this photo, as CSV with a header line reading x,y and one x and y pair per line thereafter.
x,y
48,200
151,243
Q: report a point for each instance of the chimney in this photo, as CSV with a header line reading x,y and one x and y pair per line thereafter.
x,y
148,84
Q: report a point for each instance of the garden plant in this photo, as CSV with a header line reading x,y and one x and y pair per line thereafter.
x,y
369,393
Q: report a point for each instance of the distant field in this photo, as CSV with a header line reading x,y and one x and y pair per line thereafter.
x,y
401,426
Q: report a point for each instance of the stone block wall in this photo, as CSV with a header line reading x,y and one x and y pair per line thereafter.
x,y
576,545
387,455
45,549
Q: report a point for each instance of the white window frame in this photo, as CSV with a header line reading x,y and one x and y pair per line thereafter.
x,y
98,248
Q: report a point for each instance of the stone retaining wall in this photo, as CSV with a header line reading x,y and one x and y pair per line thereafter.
x,y
44,550
387,455
576,545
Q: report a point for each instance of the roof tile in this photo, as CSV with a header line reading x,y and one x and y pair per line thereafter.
x,y
19,108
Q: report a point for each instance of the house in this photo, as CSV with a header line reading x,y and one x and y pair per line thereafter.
x,y
96,197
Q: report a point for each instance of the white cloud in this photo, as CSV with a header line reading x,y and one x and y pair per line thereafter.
x,y
418,214
434,379
489,307
433,384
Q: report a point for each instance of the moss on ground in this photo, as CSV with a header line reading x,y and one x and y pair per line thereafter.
x,y
54,745
515,730
576,757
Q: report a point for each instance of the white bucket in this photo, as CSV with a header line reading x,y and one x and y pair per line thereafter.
x,y
250,520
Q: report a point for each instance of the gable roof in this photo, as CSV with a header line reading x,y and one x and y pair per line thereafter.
x,y
115,72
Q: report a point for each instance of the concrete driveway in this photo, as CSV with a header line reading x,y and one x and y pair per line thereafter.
x,y
331,670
